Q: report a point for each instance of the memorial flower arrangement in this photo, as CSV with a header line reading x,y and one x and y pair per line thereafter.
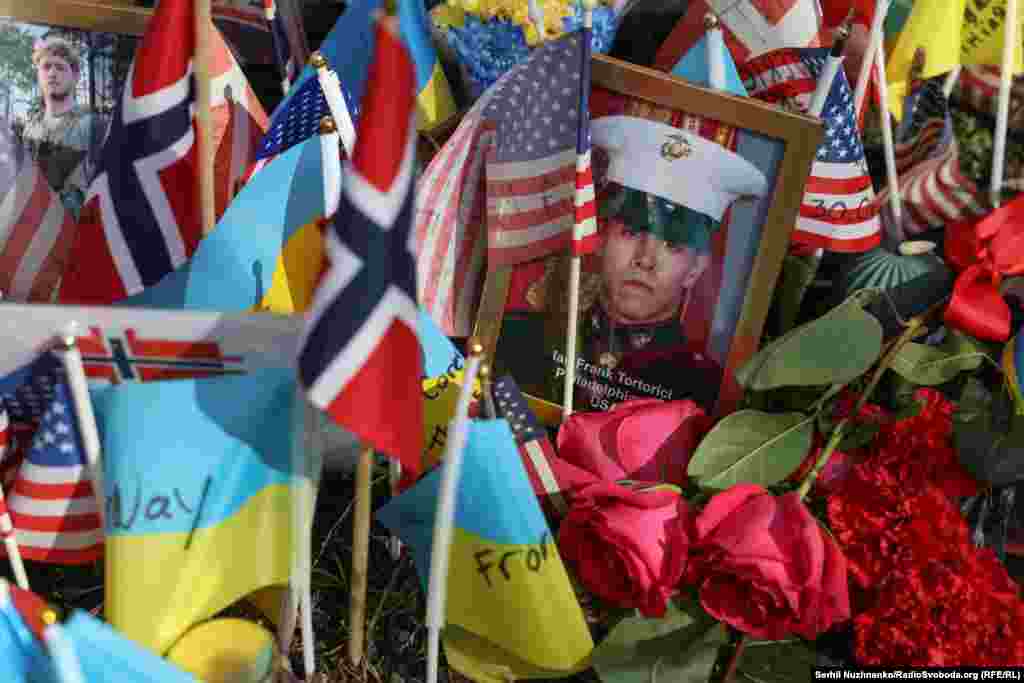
x,y
828,520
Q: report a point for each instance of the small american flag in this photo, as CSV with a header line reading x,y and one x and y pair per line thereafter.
x,y
360,358
839,210
296,120
534,446
52,505
585,238
36,231
531,173
933,189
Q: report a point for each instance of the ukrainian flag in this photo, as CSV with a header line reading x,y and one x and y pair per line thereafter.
x,y
511,609
434,101
1013,362
198,511
267,250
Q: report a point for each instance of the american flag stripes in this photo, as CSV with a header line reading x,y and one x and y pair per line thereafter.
x,y
51,500
451,239
534,446
360,359
585,238
36,231
839,210
933,189
531,172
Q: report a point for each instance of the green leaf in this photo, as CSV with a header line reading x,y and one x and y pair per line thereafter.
x,y
680,648
932,365
753,447
834,349
777,662
990,444
975,401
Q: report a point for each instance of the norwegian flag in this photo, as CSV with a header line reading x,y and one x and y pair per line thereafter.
x,y
531,171
36,231
839,210
585,238
51,501
141,219
360,358
131,358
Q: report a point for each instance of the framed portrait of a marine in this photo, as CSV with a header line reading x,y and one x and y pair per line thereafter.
x,y
697,192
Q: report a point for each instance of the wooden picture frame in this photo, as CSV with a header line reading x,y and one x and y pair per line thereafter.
x,y
766,136
104,16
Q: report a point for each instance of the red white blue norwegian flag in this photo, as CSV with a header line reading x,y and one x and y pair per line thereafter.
x,y
51,501
360,358
142,218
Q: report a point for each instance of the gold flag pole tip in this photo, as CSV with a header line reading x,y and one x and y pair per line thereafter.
x,y
317,60
711,21
327,125
475,348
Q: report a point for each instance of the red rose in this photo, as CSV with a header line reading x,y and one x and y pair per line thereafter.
x,y
617,539
643,440
764,566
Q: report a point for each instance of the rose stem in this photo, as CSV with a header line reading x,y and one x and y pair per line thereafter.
x,y
734,659
909,333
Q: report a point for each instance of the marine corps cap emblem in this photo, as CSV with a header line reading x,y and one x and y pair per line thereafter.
x,y
676,147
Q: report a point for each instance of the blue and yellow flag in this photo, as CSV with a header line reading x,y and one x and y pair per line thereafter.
x,y
267,250
1013,363
511,609
198,498
434,101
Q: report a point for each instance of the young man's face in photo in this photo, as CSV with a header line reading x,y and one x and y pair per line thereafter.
x,y
645,278
56,77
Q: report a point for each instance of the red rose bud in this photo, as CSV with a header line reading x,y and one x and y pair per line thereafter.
x,y
618,540
764,566
640,440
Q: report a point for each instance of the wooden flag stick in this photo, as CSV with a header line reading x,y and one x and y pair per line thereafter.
x,y
204,137
1010,39
360,555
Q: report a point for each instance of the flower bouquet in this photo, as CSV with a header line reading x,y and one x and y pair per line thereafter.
x,y
486,38
855,511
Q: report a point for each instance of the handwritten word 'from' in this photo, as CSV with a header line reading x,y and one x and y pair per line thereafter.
x,y
124,512
532,559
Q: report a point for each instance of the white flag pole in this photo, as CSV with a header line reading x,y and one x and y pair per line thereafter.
x,y
331,86
84,416
888,146
576,261
1010,39
950,82
875,47
444,522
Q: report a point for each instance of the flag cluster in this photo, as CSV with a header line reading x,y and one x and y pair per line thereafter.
x,y
839,210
